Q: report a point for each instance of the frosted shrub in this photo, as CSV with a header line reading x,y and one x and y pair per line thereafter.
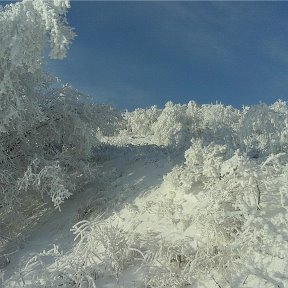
x,y
47,180
263,232
219,125
175,125
202,164
256,130
218,115
283,189
233,213
101,247
165,127
204,160
239,218
40,118
171,264
22,46
140,121
26,28
170,128
35,272
261,131
104,244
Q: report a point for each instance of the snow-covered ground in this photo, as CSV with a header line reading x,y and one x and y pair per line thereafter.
x,y
133,181
143,229
185,196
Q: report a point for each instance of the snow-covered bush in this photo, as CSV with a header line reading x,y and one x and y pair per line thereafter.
x,y
101,247
175,125
262,130
239,213
139,122
47,180
26,28
47,130
202,164
39,120
170,128
228,212
165,126
256,130
235,171
218,124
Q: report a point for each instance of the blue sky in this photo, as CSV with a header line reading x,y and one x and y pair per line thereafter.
x,y
137,54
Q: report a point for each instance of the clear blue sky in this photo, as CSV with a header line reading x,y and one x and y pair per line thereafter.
x,y
136,54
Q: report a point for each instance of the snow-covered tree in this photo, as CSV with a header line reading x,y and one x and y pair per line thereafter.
x,y
262,130
140,121
25,30
47,130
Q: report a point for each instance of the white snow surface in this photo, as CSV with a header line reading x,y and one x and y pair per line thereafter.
x,y
134,198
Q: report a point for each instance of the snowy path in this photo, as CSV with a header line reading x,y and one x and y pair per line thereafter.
x,y
132,198
142,170
54,228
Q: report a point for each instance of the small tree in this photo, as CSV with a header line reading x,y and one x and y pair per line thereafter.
x,y
46,133
25,30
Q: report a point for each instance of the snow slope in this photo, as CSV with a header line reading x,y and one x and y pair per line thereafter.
x,y
135,227
133,172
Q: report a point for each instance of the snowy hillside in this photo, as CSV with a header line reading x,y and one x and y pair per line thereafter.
x,y
207,209
185,196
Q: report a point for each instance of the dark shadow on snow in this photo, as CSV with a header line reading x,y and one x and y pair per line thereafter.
x,y
152,162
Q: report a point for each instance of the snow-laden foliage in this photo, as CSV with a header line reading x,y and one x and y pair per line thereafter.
x,y
240,212
263,130
48,180
257,131
175,125
101,248
26,29
228,207
170,128
227,202
47,129
139,122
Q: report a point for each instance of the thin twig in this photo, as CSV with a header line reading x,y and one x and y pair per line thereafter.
x,y
258,197
244,282
216,282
